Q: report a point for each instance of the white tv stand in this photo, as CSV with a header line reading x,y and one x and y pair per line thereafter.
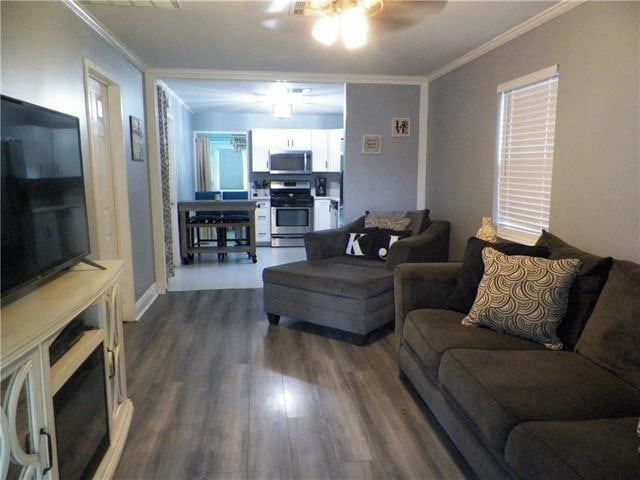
x,y
28,327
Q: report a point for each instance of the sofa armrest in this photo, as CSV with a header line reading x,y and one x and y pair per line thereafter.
x,y
432,245
329,243
422,285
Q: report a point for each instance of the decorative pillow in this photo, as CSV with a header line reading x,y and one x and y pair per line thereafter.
x,y
383,239
361,244
466,289
523,296
397,221
611,337
585,290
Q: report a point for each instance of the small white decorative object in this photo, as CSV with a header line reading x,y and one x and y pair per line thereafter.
x,y
401,127
371,144
487,231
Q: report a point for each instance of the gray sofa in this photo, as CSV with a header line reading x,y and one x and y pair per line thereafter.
x,y
513,408
350,294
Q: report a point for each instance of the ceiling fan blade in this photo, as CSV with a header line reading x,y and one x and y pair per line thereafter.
x,y
399,14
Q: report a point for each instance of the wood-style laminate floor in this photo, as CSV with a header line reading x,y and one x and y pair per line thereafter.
x,y
220,394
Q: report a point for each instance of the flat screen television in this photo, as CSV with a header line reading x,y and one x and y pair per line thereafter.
x,y
44,214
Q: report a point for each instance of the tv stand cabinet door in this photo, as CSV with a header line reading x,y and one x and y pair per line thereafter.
x,y
116,375
26,447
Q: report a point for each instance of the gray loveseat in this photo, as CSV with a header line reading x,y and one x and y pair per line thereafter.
x,y
346,293
513,408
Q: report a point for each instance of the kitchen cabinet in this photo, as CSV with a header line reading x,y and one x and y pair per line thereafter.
x,y
263,222
326,149
260,145
266,140
325,214
325,146
319,150
335,149
299,139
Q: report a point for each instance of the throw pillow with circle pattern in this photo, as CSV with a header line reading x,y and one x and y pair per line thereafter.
x,y
523,296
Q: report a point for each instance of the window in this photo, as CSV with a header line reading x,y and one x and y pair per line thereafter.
x,y
228,161
526,134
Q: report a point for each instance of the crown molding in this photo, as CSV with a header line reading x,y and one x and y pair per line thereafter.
x,y
541,18
175,95
306,77
105,33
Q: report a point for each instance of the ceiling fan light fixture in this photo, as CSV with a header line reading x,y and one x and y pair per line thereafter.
x,y
326,29
355,28
282,110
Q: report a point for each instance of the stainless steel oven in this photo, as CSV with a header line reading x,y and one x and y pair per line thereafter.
x,y
290,162
291,212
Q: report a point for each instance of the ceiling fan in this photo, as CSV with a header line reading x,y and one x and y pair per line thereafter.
x,y
350,19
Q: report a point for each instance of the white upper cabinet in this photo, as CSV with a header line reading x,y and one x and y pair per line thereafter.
x,y
299,139
260,145
334,150
325,146
320,150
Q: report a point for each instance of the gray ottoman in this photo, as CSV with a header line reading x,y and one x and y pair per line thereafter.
x,y
349,294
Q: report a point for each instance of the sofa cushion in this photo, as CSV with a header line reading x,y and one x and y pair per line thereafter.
x,y
589,450
461,299
419,220
523,296
498,389
430,333
585,290
358,279
612,335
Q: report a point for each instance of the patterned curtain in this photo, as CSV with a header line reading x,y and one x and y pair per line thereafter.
x,y
163,106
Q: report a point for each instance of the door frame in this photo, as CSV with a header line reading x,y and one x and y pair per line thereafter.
x,y
152,77
120,184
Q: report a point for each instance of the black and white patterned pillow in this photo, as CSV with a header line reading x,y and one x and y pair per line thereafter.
x,y
384,240
361,244
523,296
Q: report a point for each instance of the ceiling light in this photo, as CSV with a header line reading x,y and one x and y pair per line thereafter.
x,y
281,101
282,110
355,29
326,30
346,17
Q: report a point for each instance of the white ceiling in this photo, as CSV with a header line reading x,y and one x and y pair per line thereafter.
x,y
234,35
254,97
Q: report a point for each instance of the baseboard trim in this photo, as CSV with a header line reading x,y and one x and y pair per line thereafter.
x,y
145,301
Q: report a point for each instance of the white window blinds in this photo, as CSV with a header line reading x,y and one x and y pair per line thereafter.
x,y
526,123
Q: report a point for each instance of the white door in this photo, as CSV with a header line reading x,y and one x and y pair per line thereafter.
x,y
173,188
319,146
107,248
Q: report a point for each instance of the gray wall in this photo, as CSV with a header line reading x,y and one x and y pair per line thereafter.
x,y
213,121
387,181
43,46
184,146
596,178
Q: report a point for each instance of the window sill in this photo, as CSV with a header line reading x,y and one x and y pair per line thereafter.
x,y
519,236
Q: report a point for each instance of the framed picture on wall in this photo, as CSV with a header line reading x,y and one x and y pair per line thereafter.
x,y
371,144
401,127
137,139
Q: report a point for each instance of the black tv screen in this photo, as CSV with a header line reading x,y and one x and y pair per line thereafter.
x,y
44,215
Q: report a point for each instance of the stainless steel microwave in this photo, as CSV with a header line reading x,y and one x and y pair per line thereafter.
x,y
290,161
